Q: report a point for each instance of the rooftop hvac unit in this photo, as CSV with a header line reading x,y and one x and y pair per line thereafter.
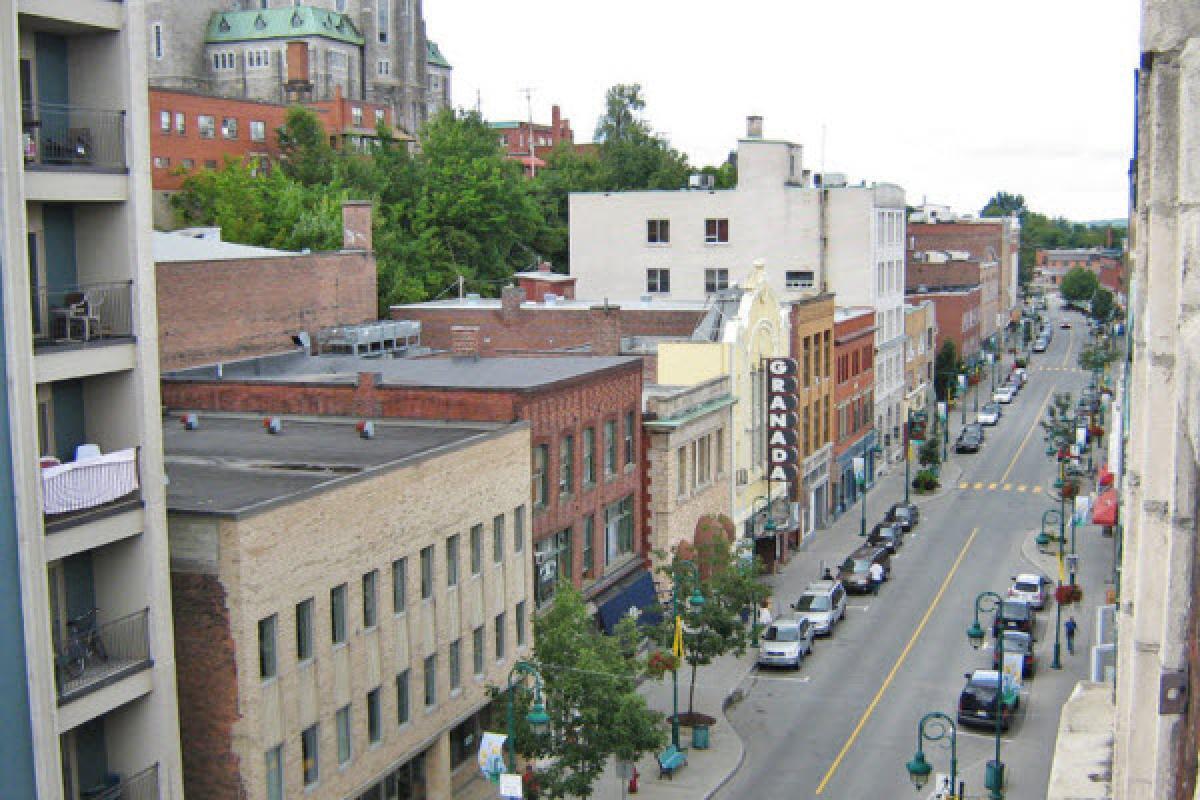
x,y
701,181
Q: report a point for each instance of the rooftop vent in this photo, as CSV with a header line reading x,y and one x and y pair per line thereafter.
x,y
273,425
754,127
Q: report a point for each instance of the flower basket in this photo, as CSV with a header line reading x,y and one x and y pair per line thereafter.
x,y
973,379
1096,431
1069,490
660,663
1068,593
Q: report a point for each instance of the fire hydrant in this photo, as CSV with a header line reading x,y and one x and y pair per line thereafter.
x,y
633,779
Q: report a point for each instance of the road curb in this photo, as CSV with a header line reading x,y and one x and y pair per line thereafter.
x,y
734,697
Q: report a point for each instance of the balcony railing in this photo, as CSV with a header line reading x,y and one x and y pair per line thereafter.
x,y
72,137
91,488
142,786
93,656
87,313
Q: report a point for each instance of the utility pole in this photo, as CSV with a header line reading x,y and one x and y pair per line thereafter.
x,y
532,149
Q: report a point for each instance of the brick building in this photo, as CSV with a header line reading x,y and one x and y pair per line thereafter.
x,y
920,328
812,347
854,404
988,240
585,419
957,314
933,270
1106,264
523,140
223,302
338,622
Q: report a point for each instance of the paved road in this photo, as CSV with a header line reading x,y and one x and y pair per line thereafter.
x,y
846,724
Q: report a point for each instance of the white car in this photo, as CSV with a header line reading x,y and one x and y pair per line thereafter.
x,y
989,414
785,643
823,604
1031,588
1004,395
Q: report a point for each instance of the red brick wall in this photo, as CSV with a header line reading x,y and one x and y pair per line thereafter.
x,y
973,237
206,666
953,273
211,311
852,337
949,310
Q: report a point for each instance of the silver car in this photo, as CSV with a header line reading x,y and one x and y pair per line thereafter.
x,y
785,643
823,604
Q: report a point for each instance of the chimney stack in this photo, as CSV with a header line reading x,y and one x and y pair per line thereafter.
x,y
511,298
754,127
464,341
356,225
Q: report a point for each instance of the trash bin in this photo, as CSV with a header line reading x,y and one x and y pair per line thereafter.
x,y
700,737
994,776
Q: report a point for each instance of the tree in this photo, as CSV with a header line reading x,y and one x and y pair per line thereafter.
x,y
930,455
1003,204
590,694
945,366
1102,304
305,153
620,122
1078,286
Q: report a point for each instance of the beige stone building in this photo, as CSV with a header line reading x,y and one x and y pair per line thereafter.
x,y
920,329
344,613
688,456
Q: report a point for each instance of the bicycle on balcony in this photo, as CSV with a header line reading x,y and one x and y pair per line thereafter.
x,y
84,646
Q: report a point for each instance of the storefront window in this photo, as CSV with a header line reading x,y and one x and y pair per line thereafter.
x,y
618,529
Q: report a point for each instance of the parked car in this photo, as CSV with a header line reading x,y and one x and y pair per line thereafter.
x,y
786,642
969,441
855,572
1004,394
1015,615
823,604
975,428
989,414
1064,325
1017,642
1021,374
1040,346
906,514
886,534
1030,587
988,693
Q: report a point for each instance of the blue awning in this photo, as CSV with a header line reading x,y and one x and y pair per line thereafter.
x,y
637,592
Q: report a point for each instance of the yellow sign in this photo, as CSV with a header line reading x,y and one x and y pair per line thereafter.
x,y
677,645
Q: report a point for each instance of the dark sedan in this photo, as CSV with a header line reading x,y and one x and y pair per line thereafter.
x,y
968,442
886,534
1015,615
982,699
906,515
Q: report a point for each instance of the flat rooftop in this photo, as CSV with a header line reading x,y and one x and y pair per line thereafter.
x,y
230,465
505,373
561,304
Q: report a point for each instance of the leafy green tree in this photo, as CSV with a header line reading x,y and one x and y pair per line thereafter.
x,y
620,122
946,366
1102,304
305,153
1003,204
590,694
724,176
930,454
1078,286
1095,357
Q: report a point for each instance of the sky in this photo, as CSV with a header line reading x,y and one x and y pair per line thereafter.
x,y
953,100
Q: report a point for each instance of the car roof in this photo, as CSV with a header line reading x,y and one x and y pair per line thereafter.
x,y
1028,577
985,676
821,587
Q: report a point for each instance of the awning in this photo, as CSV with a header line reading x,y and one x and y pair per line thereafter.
x,y
635,595
1105,478
1105,510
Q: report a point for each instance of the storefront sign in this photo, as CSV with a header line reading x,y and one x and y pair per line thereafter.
x,y
783,456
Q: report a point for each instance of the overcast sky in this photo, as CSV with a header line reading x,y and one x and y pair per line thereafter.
x,y
952,99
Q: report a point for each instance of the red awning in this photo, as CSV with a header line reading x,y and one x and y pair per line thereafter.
x,y
1105,478
1105,510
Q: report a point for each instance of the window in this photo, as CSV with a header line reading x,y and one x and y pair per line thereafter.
x,y
658,231
383,20
164,121
716,231
610,448
498,538
681,461
206,124
715,280
156,33
343,734
427,573
541,480
370,583
658,281
210,163
229,128
431,680
521,624
402,704
629,438
161,162
275,773
258,130
701,448
476,549
258,59
719,455
308,755
384,68
180,123
552,560
452,561
589,533
337,613
187,163
589,456
618,529
518,529
374,717
799,279
399,584
500,636
224,60
267,663
455,669
477,649
304,630
566,465
380,116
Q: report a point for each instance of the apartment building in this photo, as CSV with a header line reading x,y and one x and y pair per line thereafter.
x,y
86,635
812,347
522,140
935,270
957,316
339,621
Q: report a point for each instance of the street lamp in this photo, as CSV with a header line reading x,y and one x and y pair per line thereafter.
x,y
943,728
990,601
538,719
695,603
962,384
1056,663
862,524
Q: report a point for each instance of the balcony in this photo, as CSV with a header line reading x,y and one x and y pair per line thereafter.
x,y
142,786
74,154
68,320
91,503
95,656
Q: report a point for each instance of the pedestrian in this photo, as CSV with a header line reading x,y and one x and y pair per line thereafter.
x,y
764,615
828,576
876,576
1070,627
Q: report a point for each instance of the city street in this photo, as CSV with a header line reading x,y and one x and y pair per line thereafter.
x,y
845,725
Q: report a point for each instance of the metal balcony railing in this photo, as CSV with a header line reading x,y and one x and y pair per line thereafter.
x,y
93,656
64,136
82,313
142,786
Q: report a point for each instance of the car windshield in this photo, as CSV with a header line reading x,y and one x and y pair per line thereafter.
x,y
812,602
901,512
990,408
1015,642
1022,586
860,564
783,633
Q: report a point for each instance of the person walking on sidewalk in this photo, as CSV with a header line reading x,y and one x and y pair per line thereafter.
x,y
1070,627
764,615
876,577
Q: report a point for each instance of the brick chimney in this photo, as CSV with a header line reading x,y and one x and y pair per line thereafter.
x,y
556,122
356,225
464,341
511,298
606,330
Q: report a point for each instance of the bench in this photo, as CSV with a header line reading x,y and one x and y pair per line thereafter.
x,y
670,760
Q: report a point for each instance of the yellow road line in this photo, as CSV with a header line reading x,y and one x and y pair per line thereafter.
x,y
896,667
1025,441
964,485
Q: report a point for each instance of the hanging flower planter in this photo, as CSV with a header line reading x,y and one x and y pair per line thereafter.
x,y
660,663
1068,593
1069,490
1096,431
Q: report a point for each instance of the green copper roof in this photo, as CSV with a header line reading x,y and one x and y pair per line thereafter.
x,y
281,23
433,55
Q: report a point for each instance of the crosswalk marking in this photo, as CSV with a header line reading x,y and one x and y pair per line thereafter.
x,y
1037,490
1021,487
979,485
991,486
1007,487
964,485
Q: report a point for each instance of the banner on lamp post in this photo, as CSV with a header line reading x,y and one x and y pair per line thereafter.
x,y
941,411
783,453
860,471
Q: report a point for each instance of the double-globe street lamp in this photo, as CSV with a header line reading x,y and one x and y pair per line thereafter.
x,y
990,601
863,486
943,728
695,603
1043,539
538,719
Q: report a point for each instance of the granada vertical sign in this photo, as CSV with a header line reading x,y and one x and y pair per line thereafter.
x,y
783,456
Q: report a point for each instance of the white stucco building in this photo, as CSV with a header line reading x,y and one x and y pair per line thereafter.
x,y
813,231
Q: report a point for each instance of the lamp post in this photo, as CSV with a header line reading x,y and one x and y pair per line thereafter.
x,y
695,602
943,728
962,384
991,358
1056,662
863,486
907,447
537,718
994,779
